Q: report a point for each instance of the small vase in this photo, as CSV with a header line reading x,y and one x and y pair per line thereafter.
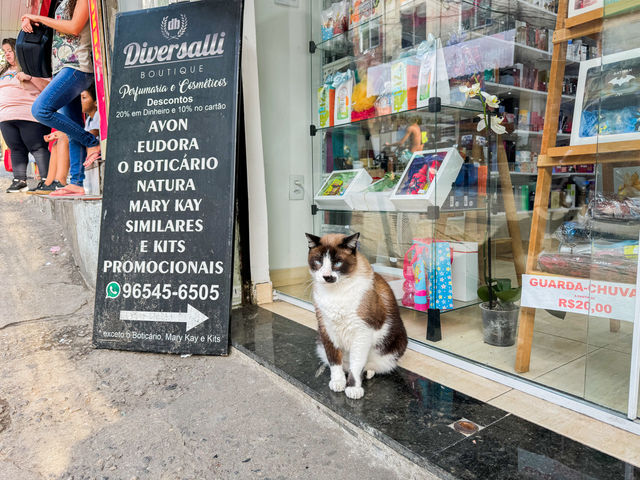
x,y
499,327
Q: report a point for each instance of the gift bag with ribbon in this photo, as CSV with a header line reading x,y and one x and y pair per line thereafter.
x,y
415,275
427,273
441,286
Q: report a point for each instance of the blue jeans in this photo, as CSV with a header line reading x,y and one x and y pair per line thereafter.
x,y
59,107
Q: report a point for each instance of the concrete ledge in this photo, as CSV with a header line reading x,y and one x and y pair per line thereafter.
x,y
80,220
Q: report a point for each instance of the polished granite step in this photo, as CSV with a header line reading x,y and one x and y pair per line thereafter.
x,y
415,416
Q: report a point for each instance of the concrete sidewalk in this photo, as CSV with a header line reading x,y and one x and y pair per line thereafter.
x,y
70,411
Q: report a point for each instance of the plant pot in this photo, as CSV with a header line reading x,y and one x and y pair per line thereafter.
x,y
499,327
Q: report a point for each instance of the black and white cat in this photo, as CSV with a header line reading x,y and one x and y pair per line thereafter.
x,y
359,324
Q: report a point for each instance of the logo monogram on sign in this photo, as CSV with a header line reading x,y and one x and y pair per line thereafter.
x,y
174,28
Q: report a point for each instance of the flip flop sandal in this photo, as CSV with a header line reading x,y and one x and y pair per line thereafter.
x,y
92,158
64,192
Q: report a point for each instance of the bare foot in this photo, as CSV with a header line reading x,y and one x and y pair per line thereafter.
x,y
70,187
93,154
69,190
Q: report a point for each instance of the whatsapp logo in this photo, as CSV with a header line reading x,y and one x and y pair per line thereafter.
x,y
113,290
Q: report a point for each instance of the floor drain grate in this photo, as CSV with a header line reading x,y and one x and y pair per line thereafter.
x,y
465,427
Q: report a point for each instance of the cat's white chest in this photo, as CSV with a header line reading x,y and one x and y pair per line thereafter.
x,y
339,306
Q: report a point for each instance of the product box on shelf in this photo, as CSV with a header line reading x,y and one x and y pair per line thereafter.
x,y
336,191
521,197
427,179
404,84
626,181
585,168
379,86
433,80
464,271
464,192
363,11
326,104
577,7
335,19
606,106
343,84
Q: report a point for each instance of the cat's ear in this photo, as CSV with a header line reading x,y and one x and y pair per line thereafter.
x,y
351,242
313,240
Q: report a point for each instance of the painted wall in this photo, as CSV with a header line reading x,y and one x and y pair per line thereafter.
x,y
285,97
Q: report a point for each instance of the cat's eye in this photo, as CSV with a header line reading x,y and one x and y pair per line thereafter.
x,y
317,262
337,264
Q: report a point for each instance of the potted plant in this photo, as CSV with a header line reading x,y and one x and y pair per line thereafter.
x,y
499,311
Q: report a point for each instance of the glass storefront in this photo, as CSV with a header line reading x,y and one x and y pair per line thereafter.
x,y
486,151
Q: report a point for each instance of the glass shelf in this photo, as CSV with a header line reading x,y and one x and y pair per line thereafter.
x,y
501,89
342,45
507,39
445,117
457,305
442,210
555,175
526,213
522,52
521,9
458,210
537,133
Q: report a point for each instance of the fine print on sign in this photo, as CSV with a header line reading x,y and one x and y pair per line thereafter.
x,y
579,295
166,240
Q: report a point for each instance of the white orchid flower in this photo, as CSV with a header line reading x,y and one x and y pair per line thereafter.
x,y
470,91
496,124
491,100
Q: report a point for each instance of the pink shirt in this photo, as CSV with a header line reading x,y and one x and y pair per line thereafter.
x,y
16,97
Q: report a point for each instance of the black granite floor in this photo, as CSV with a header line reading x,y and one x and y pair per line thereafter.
x,y
413,415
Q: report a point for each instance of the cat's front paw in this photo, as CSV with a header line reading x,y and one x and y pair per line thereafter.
x,y
354,392
338,385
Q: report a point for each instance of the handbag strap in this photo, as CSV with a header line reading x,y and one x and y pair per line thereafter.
x,y
53,6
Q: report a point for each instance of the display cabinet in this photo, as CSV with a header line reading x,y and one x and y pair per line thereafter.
x,y
451,204
384,72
